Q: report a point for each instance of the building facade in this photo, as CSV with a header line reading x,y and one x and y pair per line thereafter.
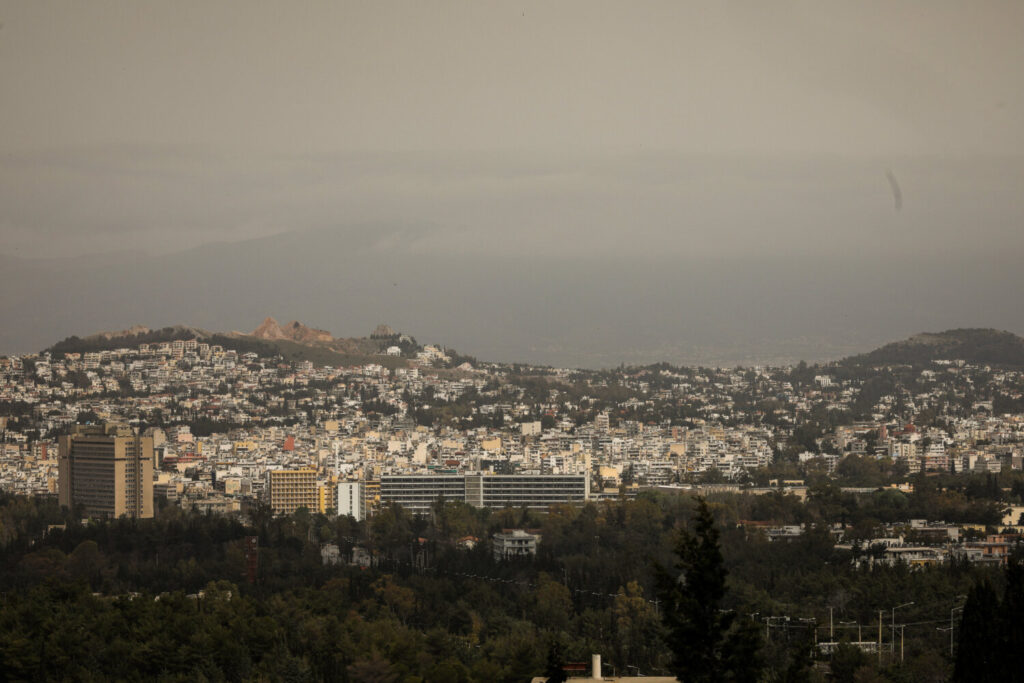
x,y
108,469
289,490
535,491
350,499
417,493
514,543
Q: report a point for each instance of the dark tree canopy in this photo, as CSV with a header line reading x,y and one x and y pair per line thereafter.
x,y
707,642
991,632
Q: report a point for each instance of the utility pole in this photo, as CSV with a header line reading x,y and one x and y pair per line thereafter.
x,y
951,613
893,627
880,636
831,629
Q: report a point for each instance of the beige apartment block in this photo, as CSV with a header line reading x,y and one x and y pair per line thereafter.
x,y
288,490
108,469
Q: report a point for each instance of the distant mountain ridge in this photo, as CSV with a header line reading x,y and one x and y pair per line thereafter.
x,y
513,302
296,341
974,345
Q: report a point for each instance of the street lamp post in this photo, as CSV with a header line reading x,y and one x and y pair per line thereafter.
x,y
892,626
768,623
943,629
951,613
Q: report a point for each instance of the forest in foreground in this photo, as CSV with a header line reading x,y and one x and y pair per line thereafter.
x,y
168,598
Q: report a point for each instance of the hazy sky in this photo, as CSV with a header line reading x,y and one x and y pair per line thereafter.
x,y
678,129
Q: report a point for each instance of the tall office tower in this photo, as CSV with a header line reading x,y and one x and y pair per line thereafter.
x,y
288,490
108,469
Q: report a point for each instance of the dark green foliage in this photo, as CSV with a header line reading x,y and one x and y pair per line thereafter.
x,y
429,610
979,629
991,639
707,642
799,669
976,345
554,671
846,661
74,344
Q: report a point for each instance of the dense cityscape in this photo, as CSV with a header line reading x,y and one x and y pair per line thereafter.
x,y
900,459
221,419
676,342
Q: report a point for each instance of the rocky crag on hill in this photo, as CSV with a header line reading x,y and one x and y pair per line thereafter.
x,y
295,331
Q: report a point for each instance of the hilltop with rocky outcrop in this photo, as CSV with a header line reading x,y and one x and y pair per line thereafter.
x,y
294,341
295,331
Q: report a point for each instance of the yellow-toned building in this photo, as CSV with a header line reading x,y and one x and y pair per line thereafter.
x,y
288,490
327,492
371,496
243,447
108,470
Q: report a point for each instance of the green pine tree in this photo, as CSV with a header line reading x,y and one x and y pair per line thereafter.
x,y
708,644
554,671
979,647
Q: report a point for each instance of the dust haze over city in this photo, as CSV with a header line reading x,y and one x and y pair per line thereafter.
x,y
455,341
577,183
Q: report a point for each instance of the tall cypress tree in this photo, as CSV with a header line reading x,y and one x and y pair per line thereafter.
x,y
1013,617
991,642
707,643
979,647
554,670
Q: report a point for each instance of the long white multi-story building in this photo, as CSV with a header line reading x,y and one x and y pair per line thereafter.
x,y
417,492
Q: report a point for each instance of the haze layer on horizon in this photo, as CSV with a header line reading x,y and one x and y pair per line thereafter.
x,y
847,141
